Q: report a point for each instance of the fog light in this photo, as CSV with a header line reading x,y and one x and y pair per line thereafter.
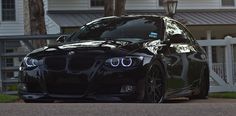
x,y
127,89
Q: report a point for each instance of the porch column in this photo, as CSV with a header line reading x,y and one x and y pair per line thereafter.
x,y
209,50
229,60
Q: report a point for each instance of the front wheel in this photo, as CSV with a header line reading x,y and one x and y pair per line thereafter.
x,y
154,85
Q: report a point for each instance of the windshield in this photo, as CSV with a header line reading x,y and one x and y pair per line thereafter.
x,y
129,28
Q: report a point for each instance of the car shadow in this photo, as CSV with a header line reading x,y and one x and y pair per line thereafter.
x,y
177,100
174,100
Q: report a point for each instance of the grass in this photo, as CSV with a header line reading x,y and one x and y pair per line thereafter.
x,y
8,98
227,95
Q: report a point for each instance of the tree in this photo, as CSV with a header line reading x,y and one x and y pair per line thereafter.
x,y
35,20
119,7
108,7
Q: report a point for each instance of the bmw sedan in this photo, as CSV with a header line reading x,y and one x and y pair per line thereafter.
x,y
129,58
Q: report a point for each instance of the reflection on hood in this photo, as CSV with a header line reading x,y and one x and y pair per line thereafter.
x,y
111,44
154,46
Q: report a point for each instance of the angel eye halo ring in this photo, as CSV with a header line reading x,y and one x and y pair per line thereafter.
x,y
126,62
115,62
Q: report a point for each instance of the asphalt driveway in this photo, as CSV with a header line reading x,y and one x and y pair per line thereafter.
x,y
177,107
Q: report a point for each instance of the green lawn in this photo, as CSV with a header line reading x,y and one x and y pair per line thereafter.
x,y
227,95
8,98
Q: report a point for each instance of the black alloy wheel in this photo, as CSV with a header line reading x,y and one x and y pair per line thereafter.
x,y
154,85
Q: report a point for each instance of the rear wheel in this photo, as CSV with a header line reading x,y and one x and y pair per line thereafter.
x,y
154,85
204,85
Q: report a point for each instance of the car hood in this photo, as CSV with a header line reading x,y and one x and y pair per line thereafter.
x,y
109,47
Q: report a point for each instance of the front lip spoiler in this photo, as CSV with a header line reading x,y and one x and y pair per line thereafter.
x,y
105,97
33,96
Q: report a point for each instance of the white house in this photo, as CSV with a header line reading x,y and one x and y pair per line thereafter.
x,y
11,17
216,16
11,23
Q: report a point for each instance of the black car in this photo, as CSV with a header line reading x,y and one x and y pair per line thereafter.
x,y
137,58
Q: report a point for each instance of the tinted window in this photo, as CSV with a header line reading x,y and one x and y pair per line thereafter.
x,y
187,33
116,28
177,33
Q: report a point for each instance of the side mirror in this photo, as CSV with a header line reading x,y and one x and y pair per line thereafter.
x,y
178,38
61,39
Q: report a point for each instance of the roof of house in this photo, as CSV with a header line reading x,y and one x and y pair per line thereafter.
x,y
191,17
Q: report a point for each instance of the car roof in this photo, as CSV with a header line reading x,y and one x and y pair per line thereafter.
x,y
133,16
137,16
127,17
154,16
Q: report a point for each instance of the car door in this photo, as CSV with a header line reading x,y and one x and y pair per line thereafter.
x,y
196,59
177,57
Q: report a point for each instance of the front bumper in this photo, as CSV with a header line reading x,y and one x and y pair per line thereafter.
x,y
101,84
103,97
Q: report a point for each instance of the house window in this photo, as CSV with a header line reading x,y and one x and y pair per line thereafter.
x,y
9,50
97,3
9,74
161,3
9,61
228,3
8,10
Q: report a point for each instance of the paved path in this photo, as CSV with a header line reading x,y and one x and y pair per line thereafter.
x,y
180,107
210,100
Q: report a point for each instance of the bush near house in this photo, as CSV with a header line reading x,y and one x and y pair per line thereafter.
x,y
11,87
8,98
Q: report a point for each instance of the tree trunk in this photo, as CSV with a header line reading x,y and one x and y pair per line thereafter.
x,y
108,8
35,20
120,7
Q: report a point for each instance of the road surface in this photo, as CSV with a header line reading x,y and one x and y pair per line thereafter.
x,y
179,107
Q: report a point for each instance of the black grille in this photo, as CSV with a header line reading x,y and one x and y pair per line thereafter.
x,y
80,62
55,63
67,88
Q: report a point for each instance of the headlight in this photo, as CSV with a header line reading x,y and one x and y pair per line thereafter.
x,y
125,62
30,62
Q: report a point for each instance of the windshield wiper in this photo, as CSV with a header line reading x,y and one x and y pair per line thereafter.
x,y
111,41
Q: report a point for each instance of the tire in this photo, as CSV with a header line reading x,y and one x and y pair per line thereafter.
x,y
204,85
154,85
38,101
